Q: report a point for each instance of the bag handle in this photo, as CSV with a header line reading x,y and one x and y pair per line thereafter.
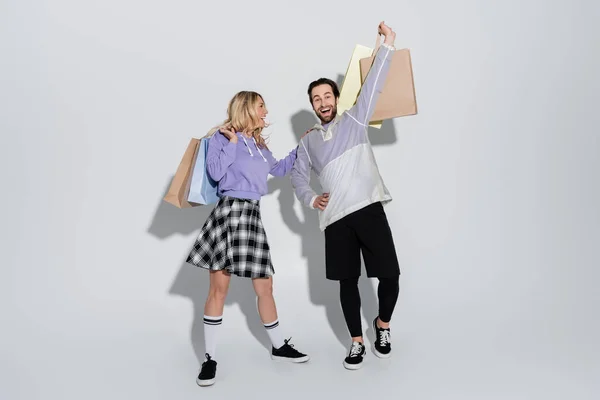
x,y
377,44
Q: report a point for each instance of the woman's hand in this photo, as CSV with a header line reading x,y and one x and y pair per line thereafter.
x,y
229,133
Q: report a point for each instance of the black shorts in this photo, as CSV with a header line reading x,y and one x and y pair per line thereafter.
x,y
368,230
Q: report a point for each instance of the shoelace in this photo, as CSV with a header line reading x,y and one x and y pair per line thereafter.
x,y
208,359
289,346
384,337
355,350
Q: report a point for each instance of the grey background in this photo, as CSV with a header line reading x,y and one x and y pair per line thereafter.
x,y
495,210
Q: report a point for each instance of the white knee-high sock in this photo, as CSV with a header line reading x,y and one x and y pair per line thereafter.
x,y
211,332
275,333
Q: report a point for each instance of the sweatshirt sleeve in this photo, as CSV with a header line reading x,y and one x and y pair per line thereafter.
x,y
364,108
283,166
220,155
300,177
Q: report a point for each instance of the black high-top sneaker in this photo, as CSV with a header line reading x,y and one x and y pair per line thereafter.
x,y
208,372
383,344
287,352
355,356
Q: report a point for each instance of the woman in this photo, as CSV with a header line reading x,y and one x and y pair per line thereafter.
x,y
233,240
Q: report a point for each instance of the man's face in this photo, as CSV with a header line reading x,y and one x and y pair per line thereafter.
x,y
324,103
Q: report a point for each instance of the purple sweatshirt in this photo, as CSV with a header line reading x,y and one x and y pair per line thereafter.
x,y
241,169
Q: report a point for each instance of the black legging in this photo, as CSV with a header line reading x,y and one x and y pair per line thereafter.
x,y
387,293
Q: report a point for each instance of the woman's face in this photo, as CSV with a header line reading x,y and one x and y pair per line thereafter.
x,y
261,111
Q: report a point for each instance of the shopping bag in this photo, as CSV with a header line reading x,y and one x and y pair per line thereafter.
x,y
352,82
397,98
203,189
180,185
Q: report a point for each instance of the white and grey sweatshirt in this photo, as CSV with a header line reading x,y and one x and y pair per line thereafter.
x,y
341,155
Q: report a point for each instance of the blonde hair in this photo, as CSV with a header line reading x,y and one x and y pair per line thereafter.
x,y
242,116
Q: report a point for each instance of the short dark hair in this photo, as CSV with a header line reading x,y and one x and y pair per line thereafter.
x,y
323,81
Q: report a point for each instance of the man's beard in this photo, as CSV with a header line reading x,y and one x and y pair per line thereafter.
x,y
329,117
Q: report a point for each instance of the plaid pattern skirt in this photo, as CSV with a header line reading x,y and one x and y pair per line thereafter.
x,y
233,238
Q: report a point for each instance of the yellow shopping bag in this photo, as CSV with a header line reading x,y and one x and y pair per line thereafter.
x,y
353,82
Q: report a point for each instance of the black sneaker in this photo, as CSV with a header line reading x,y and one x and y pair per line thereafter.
x,y
287,352
355,356
383,345
208,372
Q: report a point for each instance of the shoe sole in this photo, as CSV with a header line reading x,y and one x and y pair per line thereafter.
x,y
378,354
292,360
352,367
381,355
205,382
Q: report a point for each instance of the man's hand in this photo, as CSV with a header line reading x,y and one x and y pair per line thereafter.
x,y
229,133
321,201
386,31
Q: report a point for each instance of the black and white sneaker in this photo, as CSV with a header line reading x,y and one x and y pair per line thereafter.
x,y
383,345
287,352
208,372
355,356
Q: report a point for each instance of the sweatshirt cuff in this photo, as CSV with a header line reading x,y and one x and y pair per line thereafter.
x,y
388,46
312,201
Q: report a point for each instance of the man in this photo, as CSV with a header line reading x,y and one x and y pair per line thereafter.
x,y
351,208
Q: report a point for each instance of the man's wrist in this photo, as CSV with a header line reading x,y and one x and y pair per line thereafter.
x,y
312,202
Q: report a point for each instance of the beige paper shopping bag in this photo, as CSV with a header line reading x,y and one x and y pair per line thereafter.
x,y
352,82
180,185
397,98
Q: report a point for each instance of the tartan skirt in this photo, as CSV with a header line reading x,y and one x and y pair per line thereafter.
x,y
233,238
